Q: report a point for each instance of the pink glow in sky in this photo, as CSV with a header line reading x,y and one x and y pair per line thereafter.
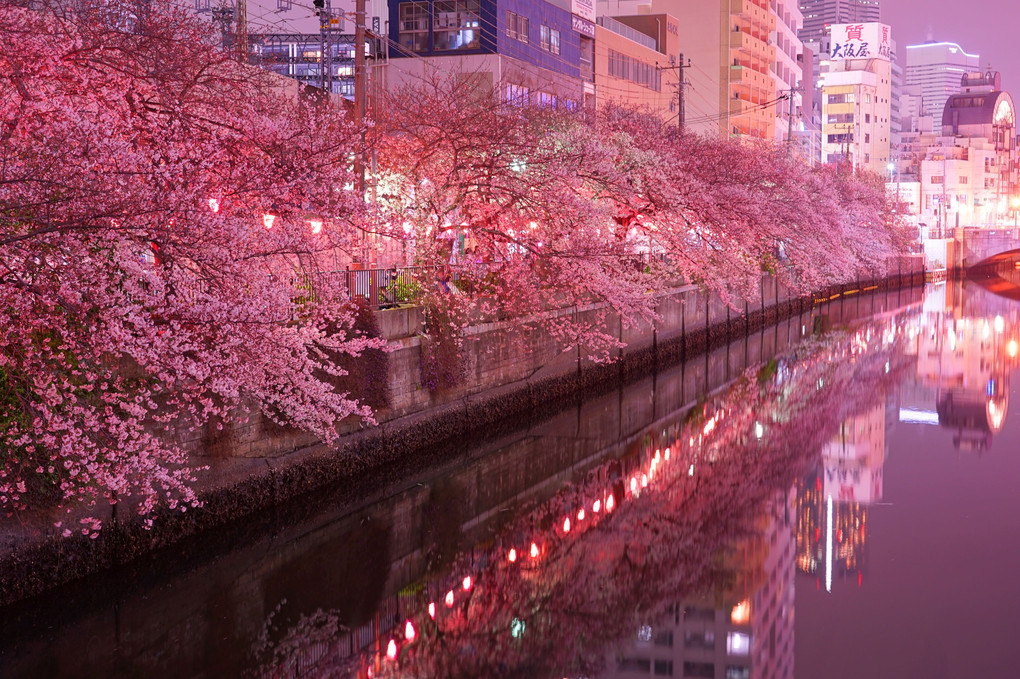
x,y
985,27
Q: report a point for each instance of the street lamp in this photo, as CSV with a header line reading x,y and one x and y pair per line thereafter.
x,y
1014,203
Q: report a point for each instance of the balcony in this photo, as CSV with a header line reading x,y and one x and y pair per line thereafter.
x,y
751,45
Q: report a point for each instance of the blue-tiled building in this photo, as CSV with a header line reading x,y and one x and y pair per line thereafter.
x,y
535,51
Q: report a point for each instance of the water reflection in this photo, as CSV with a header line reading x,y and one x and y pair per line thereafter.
x,y
655,531
697,512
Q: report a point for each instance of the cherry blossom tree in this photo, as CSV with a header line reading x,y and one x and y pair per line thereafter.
x,y
557,210
163,214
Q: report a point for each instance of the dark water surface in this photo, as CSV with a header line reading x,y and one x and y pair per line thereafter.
x,y
835,496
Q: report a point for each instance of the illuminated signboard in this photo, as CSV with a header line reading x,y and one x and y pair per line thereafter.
x,y
860,41
583,8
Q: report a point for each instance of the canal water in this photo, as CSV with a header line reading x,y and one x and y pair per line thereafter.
x,y
834,496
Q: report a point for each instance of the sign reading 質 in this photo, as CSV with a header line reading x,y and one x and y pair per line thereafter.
x,y
860,41
584,9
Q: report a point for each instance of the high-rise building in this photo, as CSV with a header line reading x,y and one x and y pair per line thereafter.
x,y
856,82
820,14
937,67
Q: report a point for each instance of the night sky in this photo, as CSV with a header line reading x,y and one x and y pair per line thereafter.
x,y
989,28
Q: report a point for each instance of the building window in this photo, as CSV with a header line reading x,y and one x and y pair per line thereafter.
x,y
201,5
516,95
587,59
516,26
414,26
546,100
738,643
664,668
282,5
963,179
456,25
936,179
841,98
699,669
569,104
628,68
550,39
867,138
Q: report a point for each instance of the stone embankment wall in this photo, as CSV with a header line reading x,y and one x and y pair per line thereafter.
x,y
258,465
690,320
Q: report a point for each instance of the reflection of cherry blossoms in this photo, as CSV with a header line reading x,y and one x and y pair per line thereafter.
x,y
584,570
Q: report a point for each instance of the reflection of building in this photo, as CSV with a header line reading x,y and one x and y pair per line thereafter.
x,y
832,503
966,363
853,460
745,631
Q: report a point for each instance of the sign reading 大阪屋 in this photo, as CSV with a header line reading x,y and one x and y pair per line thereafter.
x,y
583,8
860,41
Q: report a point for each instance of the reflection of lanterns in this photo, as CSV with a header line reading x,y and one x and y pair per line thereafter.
x,y
596,506
391,649
432,610
534,551
449,599
409,631
466,584
1011,348
566,525
610,503
512,556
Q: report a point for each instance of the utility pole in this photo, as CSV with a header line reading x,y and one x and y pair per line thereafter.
x,y
681,86
789,119
359,89
241,40
325,12
224,15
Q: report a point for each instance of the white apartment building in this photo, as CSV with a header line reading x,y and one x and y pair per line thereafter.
x,y
856,84
968,177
